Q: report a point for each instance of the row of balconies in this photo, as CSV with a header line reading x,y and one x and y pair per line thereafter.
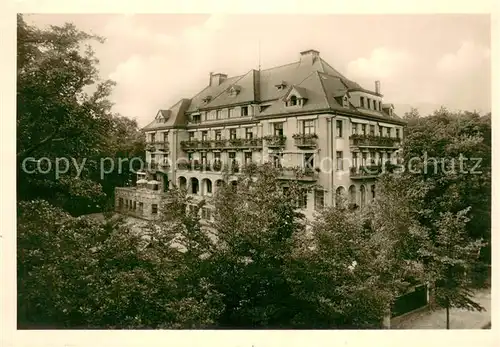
x,y
360,140
303,173
273,141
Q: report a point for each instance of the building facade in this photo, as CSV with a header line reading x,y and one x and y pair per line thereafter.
x,y
305,118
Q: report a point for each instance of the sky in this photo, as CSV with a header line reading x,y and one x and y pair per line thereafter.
x,y
424,61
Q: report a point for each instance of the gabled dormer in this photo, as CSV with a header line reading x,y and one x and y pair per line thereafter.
x,y
162,116
388,108
342,97
295,97
234,90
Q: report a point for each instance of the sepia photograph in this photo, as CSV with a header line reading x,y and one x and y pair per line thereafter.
x,y
253,171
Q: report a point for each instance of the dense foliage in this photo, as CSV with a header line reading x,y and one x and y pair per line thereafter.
x,y
58,118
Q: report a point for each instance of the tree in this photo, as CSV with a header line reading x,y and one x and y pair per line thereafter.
x,y
448,260
82,273
58,118
457,172
437,251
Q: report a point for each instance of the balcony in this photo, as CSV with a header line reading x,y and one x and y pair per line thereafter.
x,y
306,140
244,143
299,173
275,141
372,141
156,146
371,171
221,144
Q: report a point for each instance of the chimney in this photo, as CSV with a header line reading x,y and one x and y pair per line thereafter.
x,y
216,78
377,87
309,56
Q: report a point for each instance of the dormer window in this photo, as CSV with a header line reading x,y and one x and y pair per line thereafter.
x,y
345,101
295,97
234,90
162,116
207,99
196,118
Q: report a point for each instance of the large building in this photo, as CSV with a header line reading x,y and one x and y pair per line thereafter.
x,y
305,117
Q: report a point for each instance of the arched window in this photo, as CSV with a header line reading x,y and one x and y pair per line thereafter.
x,y
362,201
194,185
352,194
182,182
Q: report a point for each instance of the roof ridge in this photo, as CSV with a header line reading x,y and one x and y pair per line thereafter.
x,y
276,67
223,90
324,90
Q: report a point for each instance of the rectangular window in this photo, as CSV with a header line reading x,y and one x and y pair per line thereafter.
x,y
397,133
302,200
368,102
204,135
165,137
278,129
340,161
244,111
389,157
218,135
308,127
363,129
191,135
319,199
217,115
154,209
206,213
374,105
362,99
277,158
389,132
381,131
203,157
380,105
248,133
141,207
229,112
153,137
380,158
217,156
372,130
196,118
309,160
339,128
373,159
232,133
364,156
355,159
190,156
354,128
248,158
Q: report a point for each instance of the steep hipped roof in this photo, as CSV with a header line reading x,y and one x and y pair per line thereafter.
x,y
311,76
175,116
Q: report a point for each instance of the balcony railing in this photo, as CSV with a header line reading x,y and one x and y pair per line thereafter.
x,y
274,141
360,140
305,140
158,146
221,144
370,171
299,173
